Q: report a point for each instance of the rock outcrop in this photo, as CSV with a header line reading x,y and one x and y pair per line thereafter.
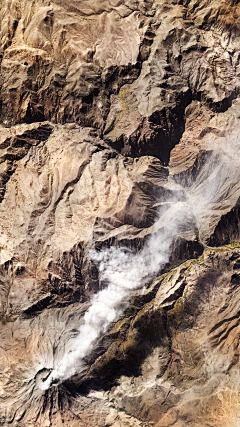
x,y
119,120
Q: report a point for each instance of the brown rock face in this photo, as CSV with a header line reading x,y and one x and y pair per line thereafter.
x,y
119,157
127,68
69,192
191,374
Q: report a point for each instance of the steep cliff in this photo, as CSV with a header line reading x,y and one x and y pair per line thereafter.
x,y
119,158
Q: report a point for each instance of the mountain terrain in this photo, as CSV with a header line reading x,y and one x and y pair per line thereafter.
x,y
119,174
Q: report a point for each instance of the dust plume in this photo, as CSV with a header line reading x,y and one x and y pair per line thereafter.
x,y
123,271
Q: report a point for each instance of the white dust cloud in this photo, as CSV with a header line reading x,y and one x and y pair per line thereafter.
x,y
122,271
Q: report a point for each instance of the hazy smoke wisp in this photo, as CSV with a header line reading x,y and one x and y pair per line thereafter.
x,y
123,271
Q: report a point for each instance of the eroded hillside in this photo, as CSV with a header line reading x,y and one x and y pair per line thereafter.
x,y
119,157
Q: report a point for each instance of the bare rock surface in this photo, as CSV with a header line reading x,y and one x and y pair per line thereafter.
x,y
127,68
67,193
210,171
192,378
119,126
187,336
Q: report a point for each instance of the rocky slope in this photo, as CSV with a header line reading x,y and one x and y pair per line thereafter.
x,y
119,127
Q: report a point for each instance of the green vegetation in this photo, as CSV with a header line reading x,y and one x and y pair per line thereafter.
x,y
233,245
143,323
142,313
186,265
119,325
177,315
